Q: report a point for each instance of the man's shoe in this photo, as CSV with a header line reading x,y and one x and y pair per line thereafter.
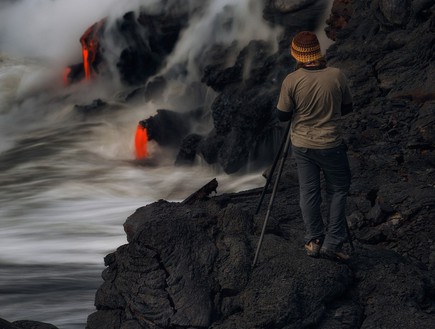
x,y
340,255
313,247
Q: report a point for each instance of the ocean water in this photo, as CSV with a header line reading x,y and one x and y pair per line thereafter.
x,y
67,184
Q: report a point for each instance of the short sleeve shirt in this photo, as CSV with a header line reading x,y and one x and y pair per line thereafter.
x,y
315,97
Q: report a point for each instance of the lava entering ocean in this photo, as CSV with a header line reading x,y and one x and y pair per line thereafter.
x,y
140,142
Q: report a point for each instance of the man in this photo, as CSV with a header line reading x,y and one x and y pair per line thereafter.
x,y
314,97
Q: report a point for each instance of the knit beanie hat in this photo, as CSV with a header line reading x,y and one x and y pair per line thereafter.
x,y
305,47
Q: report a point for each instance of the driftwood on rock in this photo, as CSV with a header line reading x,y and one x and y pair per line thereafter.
x,y
203,192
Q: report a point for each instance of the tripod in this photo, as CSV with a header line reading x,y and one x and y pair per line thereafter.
x,y
284,149
282,154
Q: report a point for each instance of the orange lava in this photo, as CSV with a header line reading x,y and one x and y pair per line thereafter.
x,y
86,63
90,46
140,142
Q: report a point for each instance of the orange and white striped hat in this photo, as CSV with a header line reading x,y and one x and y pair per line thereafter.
x,y
305,47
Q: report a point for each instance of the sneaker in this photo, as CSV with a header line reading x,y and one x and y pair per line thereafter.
x,y
339,255
313,247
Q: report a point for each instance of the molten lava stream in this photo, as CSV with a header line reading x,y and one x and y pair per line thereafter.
x,y
140,142
87,66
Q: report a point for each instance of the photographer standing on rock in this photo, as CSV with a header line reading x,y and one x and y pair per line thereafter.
x,y
314,97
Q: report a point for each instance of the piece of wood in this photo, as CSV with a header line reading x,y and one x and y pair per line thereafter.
x,y
203,192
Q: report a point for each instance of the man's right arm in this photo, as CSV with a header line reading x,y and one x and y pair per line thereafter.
x,y
285,106
283,116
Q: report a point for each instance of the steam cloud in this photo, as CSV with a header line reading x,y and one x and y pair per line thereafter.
x,y
222,22
51,29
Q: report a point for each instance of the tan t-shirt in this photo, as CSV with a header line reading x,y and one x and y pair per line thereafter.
x,y
315,97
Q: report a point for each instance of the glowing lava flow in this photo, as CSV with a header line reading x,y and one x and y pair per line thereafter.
x,y
86,63
90,42
140,142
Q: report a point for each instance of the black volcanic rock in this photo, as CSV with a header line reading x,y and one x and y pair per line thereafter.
x,y
25,324
380,59
193,268
188,149
96,106
168,128
245,130
189,265
295,15
148,39
6,325
243,110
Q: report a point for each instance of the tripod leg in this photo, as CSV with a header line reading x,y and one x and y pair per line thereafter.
x,y
275,162
269,208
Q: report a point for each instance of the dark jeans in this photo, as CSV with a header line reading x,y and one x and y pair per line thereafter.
x,y
335,167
